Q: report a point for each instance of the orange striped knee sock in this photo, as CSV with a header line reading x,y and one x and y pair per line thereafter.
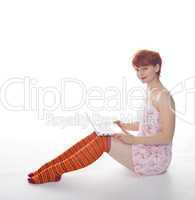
x,y
88,154
73,149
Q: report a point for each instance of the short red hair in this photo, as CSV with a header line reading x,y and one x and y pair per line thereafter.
x,y
146,57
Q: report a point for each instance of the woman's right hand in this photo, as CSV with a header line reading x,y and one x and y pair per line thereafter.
x,y
120,124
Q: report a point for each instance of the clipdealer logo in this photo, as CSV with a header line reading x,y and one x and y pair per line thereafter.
x,y
34,97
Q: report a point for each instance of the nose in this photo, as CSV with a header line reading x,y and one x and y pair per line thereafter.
x,y
141,73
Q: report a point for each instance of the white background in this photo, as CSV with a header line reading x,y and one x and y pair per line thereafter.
x,y
91,41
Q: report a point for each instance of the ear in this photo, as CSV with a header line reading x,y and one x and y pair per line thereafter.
x,y
157,67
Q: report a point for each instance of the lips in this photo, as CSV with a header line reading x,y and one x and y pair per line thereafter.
x,y
143,77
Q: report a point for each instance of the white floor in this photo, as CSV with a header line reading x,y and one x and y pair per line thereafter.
x,y
104,179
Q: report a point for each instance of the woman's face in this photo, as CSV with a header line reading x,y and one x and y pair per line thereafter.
x,y
147,73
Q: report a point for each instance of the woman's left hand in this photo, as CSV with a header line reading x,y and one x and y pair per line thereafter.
x,y
126,139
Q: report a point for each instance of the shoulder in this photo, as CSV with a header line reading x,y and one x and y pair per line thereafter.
x,y
163,98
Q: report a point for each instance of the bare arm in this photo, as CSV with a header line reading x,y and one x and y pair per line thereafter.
x,y
133,126
158,138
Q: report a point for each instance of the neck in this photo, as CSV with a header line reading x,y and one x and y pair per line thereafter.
x,y
154,84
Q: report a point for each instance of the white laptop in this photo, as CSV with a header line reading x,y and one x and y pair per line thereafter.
x,y
102,129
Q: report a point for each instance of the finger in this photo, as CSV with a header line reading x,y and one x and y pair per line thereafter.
x,y
118,137
115,136
124,131
115,121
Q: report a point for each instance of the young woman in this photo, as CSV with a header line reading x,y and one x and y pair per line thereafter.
x,y
148,153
